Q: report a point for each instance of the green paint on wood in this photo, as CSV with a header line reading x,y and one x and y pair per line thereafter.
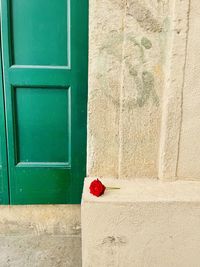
x,y
45,55
4,196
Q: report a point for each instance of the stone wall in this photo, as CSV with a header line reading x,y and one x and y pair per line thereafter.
x,y
144,122
128,43
143,89
147,223
189,153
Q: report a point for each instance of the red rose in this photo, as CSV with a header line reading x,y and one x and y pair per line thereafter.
x,y
97,188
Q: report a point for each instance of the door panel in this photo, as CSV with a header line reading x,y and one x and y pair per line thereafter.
x,y
4,198
37,110
39,31
45,68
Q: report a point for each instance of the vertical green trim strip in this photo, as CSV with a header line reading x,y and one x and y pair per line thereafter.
x,y
4,192
79,24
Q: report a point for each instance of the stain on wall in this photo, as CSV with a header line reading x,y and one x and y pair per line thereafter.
x,y
126,80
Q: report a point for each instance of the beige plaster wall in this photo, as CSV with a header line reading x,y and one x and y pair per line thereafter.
x,y
146,223
128,41
180,147
144,121
144,112
189,154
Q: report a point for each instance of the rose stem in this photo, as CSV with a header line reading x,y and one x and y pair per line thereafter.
x,y
112,188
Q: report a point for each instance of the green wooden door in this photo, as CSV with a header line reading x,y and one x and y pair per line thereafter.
x,y
44,48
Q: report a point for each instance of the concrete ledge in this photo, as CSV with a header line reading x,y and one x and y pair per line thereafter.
x,y
145,223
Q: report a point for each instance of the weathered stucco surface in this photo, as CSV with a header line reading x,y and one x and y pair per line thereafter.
x,y
145,31
105,56
38,236
189,155
143,89
180,146
172,93
144,224
127,57
144,122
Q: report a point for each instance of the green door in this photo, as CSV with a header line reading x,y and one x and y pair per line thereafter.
x,y
44,54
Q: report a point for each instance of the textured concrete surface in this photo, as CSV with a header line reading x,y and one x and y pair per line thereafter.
x,y
173,89
105,56
39,236
145,33
188,164
144,224
180,146
143,89
127,57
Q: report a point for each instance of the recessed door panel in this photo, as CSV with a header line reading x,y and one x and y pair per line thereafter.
x,y
39,32
42,125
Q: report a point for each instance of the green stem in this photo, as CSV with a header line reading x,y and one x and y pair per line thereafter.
x,y
110,188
